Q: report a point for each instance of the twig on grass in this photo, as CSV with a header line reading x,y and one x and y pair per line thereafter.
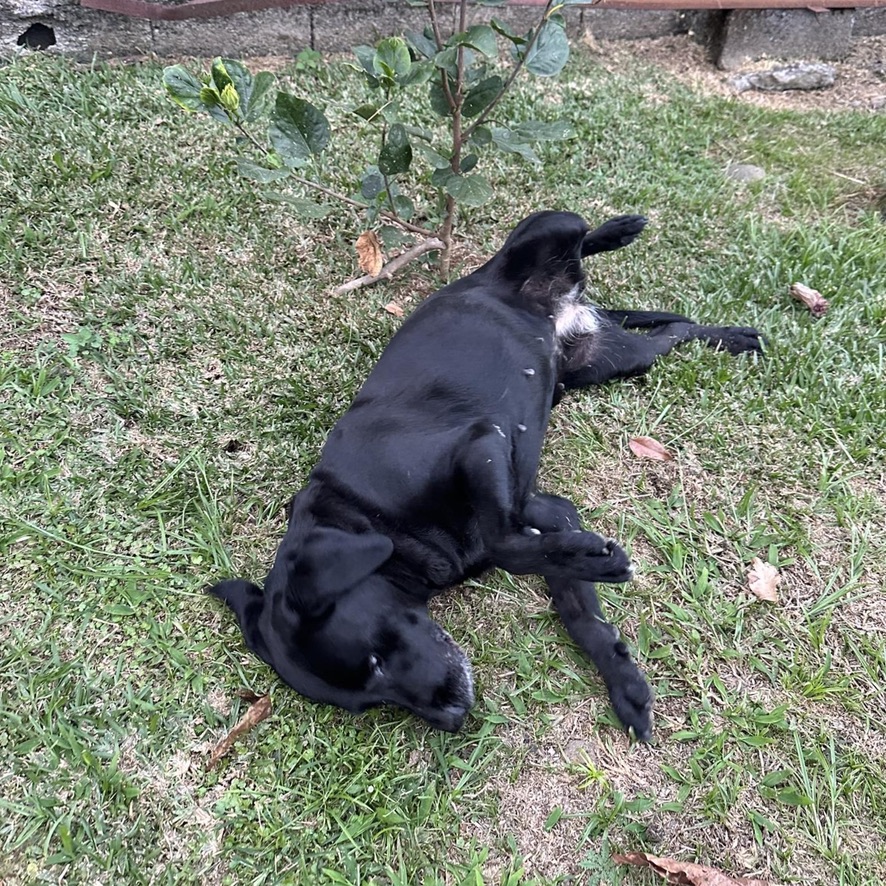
x,y
391,267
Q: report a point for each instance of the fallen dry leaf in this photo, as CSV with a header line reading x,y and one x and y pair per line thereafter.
x,y
685,873
393,308
369,254
257,711
812,298
763,580
647,447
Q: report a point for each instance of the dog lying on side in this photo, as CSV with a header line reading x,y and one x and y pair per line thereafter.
x,y
430,478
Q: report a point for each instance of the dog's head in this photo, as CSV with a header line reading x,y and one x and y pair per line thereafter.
x,y
340,633
551,244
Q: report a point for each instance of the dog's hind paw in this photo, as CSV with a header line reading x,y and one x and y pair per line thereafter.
x,y
631,696
735,339
613,234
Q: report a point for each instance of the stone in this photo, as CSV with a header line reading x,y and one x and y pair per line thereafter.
x,y
752,34
745,172
869,23
283,32
631,24
801,76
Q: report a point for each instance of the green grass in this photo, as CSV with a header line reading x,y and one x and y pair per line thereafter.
x,y
172,360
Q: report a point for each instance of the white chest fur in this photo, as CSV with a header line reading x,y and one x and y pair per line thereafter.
x,y
574,318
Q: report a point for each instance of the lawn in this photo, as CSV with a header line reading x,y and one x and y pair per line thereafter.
x,y
172,358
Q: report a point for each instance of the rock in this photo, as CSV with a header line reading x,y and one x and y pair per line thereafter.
x,y
802,76
787,34
745,172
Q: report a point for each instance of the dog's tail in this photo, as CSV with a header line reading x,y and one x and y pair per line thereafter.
x,y
247,602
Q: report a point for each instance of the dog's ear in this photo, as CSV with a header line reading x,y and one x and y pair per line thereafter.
x,y
331,561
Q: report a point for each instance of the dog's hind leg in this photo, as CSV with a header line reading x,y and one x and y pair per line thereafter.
x,y
579,608
643,319
613,352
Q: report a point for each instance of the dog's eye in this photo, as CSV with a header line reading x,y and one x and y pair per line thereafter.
x,y
375,666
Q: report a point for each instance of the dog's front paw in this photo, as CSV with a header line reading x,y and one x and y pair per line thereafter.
x,y
737,339
631,696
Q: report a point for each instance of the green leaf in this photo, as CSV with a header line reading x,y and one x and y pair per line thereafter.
x,y
256,173
367,112
553,818
297,129
183,87
262,98
396,153
481,95
501,28
420,72
372,183
392,58
209,98
479,37
366,57
423,44
404,207
471,190
505,140
241,80
481,137
435,158
439,102
536,131
220,76
441,175
447,60
550,52
468,163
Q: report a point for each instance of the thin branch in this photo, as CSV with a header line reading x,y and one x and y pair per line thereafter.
x,y
307,183
391,268
435,25
511,77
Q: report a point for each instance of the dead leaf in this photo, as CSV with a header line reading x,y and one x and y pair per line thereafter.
x,y
257,711
393,308
369,254
812,298
685,873
763,580
647,447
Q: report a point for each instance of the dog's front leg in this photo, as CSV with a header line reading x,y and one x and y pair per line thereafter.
x,y
579,608
487,472
577,604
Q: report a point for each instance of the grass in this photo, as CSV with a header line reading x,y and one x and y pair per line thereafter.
x,y
171,363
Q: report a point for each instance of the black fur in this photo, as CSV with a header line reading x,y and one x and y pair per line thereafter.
x,y
430,478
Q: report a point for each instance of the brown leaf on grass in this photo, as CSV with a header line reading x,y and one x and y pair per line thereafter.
x,y
369,254
647,447
393,308
763,580
258,710
685,873
812,298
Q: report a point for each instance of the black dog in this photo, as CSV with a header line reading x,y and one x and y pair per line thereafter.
x,y
429,479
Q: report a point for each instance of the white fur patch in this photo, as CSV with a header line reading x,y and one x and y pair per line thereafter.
x,y
575,319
